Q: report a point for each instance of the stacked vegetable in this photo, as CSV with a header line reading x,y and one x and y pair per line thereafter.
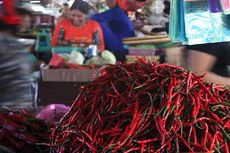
x,y
146,107
21,132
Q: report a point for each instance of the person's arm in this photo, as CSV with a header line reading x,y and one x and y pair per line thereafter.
x,y
102,44
201,63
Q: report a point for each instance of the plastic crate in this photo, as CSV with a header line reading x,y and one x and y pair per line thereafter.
x,y
66,49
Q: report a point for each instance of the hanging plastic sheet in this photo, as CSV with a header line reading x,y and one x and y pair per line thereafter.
x,y
182,23
199,22
174,22
177,27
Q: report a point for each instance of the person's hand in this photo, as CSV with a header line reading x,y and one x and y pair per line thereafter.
x,y
202,63
138,24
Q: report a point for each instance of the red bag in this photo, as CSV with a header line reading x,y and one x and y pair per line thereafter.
x,y
57,61
130,5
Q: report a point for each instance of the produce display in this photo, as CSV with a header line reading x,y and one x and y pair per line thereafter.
x,y
21,132
77,60
146,107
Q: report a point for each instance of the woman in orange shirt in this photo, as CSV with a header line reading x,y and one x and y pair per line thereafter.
x,y
78,29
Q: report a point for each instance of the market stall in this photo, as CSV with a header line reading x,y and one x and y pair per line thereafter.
x,y
86,100
151,46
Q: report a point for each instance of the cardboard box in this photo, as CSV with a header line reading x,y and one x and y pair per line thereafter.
x,y
70,75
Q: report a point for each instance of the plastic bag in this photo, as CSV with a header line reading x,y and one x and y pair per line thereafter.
x,y
57,61
53,113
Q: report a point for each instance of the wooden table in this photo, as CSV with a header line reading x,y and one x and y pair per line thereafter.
x,y
147,40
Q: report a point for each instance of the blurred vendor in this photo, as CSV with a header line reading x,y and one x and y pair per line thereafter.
x,y
15,68
116,25
78,29
211,59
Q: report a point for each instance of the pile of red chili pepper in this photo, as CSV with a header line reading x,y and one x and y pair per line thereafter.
x,y
21,132
146,107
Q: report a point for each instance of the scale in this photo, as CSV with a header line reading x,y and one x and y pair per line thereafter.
x,y
43,39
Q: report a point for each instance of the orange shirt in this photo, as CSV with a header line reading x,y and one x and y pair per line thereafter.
x,y
78,34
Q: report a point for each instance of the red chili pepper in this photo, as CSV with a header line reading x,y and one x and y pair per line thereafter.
x,y
132,149
87,135
197,146
213,141
115,89
131,90
196,107
114,130
188,82
200,119
184,142
163,145
181,109
109,145
177,147
160,124
91,147
208,91
99,118
147,141
136,118
170,90
142,148
73,118
204,142
62,149
226,134
226,147
217,119
190,134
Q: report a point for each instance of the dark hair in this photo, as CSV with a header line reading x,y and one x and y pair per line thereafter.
x,y
81,5
66,4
